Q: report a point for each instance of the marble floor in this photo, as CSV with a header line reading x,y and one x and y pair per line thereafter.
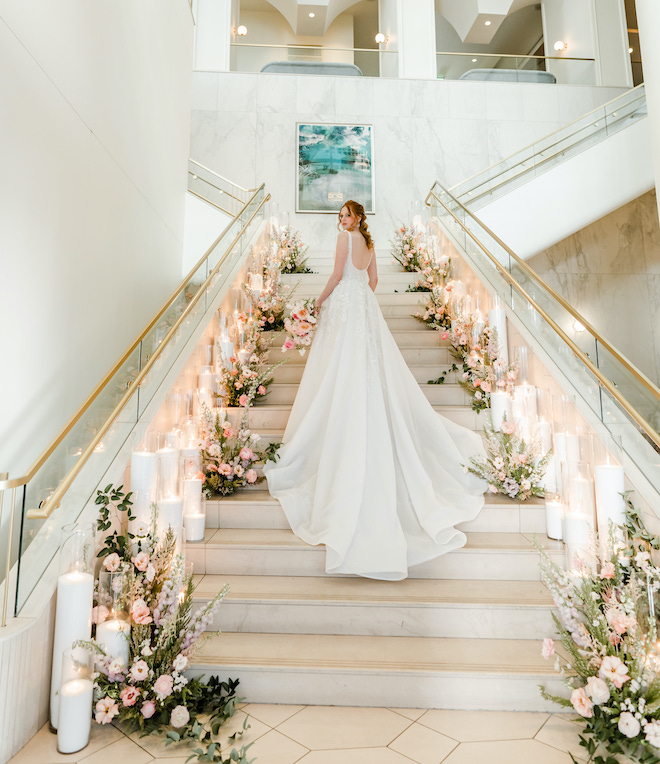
x,y
339,735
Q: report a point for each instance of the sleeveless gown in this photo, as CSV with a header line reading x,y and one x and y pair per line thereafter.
x,y
367,467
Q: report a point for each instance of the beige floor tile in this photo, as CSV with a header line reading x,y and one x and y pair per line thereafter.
x,y
178,760
410,713
42,749
423,745
271,714
506,752
476,726
333,727
563,734
123,750
275,748
356,756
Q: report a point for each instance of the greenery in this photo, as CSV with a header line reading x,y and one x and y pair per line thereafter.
x,y
291,251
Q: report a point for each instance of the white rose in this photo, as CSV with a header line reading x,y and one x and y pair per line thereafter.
x,y
652,732
116,666
598,690
628,725
179,716
180,663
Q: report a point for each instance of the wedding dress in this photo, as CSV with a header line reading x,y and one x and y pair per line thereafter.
x,y
367,467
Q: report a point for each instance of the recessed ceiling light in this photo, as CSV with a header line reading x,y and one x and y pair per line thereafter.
x,y
488,23
311,15
474,60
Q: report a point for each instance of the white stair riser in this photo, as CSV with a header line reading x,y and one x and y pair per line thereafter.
x,y
513,519
396,279
495,565
439,395
372,619
291,373
426,356
425,338
461,690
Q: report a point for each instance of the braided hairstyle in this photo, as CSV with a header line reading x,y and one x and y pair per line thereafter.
x,y
357,210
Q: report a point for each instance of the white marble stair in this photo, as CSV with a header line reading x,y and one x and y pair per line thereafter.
x,y
404,672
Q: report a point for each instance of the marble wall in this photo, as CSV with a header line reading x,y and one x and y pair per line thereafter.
x,y
243,126
610,272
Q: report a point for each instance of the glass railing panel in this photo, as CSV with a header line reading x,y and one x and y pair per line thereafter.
x,y
503,67
220,191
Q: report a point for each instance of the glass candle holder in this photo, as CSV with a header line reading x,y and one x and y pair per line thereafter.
x,y
75,592
609,484
76,694
113,629
144,480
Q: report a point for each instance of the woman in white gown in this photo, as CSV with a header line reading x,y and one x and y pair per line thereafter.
x,y
367,467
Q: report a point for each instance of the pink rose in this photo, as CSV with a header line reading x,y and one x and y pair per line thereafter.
x,y
251,476
112,562
444,335
225,469
581,703
508,427
477,383
141,561
485,386
105,710
288,344
246,453
139,671
619,621
140,612
179,716
129,695
163,686
548,648
243,401
148,709
615,670
261,390
228,432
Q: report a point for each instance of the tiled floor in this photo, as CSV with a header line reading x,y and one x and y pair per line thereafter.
x,y
338,735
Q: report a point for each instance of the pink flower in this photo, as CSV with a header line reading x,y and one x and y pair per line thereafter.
x,y
521,458
615,639
141,561
619,621
444,335
288,344
228,432
477,383
225,469
163,686
179,716
246,453
548,648
492,488
607,570
243,400
581,702
261,390
105,710
485,386
139,671
140,612
508,428
615,670
129,695
150,573
99,613
112,562
148,709
251,476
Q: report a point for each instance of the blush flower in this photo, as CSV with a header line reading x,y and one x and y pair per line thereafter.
x,y
139,671
105,710
140,612
607,570
163,686
141,561
148,709
619,620
615,670
261,390
179,716
112,562
597,690
246,453
129,695
251,476
548,648
581,703
508,428
243,401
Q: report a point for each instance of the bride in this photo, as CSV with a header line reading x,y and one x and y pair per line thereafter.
x,y
367,467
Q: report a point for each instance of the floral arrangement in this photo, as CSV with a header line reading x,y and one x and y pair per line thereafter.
x,y
152,693
269,306
300,326
408,249
229,455
435,311
291,251
513,466
611,656
433,275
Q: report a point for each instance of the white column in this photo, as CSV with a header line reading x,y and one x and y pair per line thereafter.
x,y
648,22
214,27
409,26
591,29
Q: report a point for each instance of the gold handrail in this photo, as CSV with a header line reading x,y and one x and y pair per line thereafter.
x,y
208,201
215,185
41,459
222,177
511,55
577,351
53,501
530,146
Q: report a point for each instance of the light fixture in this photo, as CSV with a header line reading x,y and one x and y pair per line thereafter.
x,y
488,23
311,15
560,45
630,50
578,326
241,31
474,60
380,37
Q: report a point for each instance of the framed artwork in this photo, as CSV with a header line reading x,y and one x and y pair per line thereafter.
x,y
335,164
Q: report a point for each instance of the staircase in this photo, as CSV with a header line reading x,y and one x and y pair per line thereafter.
x,y
463,631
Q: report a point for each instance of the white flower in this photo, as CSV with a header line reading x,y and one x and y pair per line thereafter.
x,y
180,663
146,649
598,690
150,573
116,666
652,732
628,725
180,716
498,463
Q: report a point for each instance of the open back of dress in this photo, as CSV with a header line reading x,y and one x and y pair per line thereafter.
x,y
367,467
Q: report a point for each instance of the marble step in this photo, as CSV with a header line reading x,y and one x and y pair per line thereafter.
x,y
395,279
261,552
256,508
403,672
410,337
290,373
441,395
275,417
414,607
426,356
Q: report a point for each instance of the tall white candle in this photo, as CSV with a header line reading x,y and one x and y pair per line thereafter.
x,y
560,457
73,621
554,518
75,715
170,515
497,321
206,378
194,525
609,481
500,406
114,634
192,496
168,466
144,475
577,528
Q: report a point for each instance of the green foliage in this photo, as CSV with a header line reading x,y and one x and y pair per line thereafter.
x,y
109,499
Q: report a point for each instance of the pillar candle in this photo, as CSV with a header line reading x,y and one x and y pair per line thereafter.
x,y
144,472
500,406
194,525
497,321
205,379
192,496
577,528
168,466
73,621
75,715
554,518
114,634
560,457
609,481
